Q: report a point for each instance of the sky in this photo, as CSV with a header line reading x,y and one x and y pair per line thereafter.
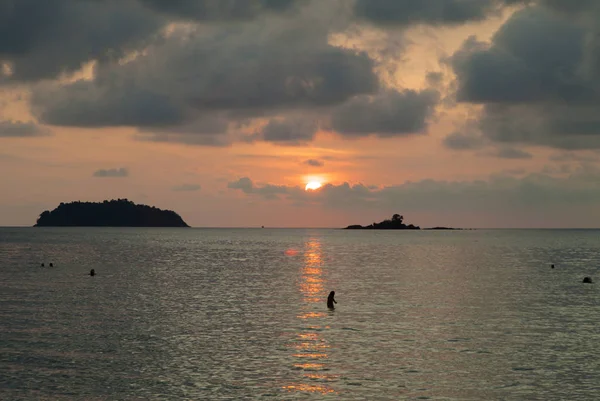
x,y
462,113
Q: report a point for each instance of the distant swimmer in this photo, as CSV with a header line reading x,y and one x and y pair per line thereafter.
x,y
42,265
92,272
331,301
587,280
51,265
552,266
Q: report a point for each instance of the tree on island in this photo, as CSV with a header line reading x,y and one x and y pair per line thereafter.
x,y
113,213
396,223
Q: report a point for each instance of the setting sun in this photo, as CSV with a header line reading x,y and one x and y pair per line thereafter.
x,y
312,185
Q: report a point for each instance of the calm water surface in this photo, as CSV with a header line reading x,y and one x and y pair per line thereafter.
x,y
211,314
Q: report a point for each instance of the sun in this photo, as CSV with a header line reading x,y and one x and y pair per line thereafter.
x,y
312,185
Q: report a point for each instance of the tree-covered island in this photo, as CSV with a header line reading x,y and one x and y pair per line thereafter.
x,y
396,223
113,213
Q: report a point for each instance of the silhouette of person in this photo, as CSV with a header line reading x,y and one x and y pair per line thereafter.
x,y
42,265
92,272
330,300
51,265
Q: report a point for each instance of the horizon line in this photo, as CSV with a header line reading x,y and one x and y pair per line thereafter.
x,y
326,228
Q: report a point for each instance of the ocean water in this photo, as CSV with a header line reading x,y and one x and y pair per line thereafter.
x,y
240,314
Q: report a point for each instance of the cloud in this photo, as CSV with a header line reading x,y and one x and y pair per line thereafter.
x,y
533,57
115,104
387,114
112,173
220,10
237,71
244,184
537,195
43,39
575,157
463,141
206,130
187,188
434,12
18,129
537,79
512,153
268,191
314,163
289,131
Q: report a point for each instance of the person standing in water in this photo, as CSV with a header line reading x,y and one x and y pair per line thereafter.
x,y
331,301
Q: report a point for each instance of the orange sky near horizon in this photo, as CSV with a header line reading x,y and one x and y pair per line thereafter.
x,y
385,175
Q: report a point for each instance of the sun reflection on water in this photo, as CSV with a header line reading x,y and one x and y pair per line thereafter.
x,y
309,315
310,366
310,348
308,388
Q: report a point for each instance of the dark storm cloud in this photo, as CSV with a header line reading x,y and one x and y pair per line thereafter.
x,y
571,6
462,141
112,173
314,163
436,12
42,39
206,130
533,57
17,129
537,79
512,153
561,126
219,10
291,131
243,72
83,104
390,113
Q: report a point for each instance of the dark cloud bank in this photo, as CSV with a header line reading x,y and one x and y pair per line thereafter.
x,y
18,129
538,79
243,60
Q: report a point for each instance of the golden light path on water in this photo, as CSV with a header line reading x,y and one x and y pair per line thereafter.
x,y
310,348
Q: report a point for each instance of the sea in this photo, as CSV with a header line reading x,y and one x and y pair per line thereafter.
x,y
241,314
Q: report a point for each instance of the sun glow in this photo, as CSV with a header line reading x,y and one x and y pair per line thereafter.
x,y
312,185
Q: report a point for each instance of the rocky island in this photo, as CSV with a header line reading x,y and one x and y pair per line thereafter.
x,y
396,223
113,213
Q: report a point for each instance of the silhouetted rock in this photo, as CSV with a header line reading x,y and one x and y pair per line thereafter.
x,y
394,224
114,213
